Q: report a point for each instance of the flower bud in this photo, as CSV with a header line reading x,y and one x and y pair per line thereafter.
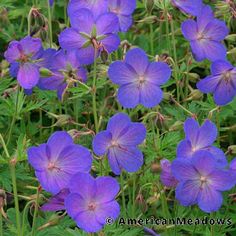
x,y
232,149
149,4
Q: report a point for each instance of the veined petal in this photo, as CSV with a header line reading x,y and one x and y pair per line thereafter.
x,y
191,128
107,23
221,66
101,142
12,53
28,75
189,29
111,42
209,84
184,149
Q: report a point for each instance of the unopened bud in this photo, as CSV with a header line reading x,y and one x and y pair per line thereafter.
x,y
63,120
104,55
149,20
178,125
141,202
155,168
149,6
232,149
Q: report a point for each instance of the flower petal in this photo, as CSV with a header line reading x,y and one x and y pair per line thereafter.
x,y
206,16
107,23
197,50
28,75
13,52
214,50
183,170
38,157
158,73
184,149
118,124
86,55
107,210
84,185
219,155
71,39
207,135
129,158
209,84
128,95
107,189
224,93
134,135
150,95
101,142
57,142
189,29
187,192
138,59
219,67
111,42
221,180
30,45
209,199
82,20
125,22
75,158
191,128
119,73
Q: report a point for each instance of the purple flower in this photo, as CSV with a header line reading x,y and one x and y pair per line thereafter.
x,y
89,35
166,176
124,11
205,36
139,79
66,70
51,2
222,82
22,56
56,202
151,231
92,201
119,142
200,181
232,169
97,7
200,138
192,7
57,160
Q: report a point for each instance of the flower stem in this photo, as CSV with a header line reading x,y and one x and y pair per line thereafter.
x,y
151,39
12,165
14,116
28,204
50,24
1,225
123,192
35,212
94,94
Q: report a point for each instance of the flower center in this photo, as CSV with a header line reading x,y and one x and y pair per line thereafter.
x,y
227,76
114,143
52,166
203,179
92,206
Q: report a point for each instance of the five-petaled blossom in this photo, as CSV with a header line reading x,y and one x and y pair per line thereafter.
x,y
139,79
23,57
56,161
166,175
92,201
91,36
201,181
119,141
205,36
200,138
66,72
123,10
222,82
192,7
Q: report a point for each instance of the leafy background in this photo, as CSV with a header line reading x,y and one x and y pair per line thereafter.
x,y
30,120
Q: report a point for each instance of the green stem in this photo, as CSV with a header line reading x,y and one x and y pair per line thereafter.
x,y
50,24
24,215
14,116
152,39
176,69
94,94
123,192
35,213
134,197
12,165
167,26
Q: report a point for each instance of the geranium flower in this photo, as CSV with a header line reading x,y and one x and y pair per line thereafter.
x,y
89,35
200,181
92,201
139,79
97,7
124,11
57,160
66,70
192,7
205,36
166,175
200,138
23,56
222,82
119,142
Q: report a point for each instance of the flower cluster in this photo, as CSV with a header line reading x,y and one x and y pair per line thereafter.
x,y
62,169
199,173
